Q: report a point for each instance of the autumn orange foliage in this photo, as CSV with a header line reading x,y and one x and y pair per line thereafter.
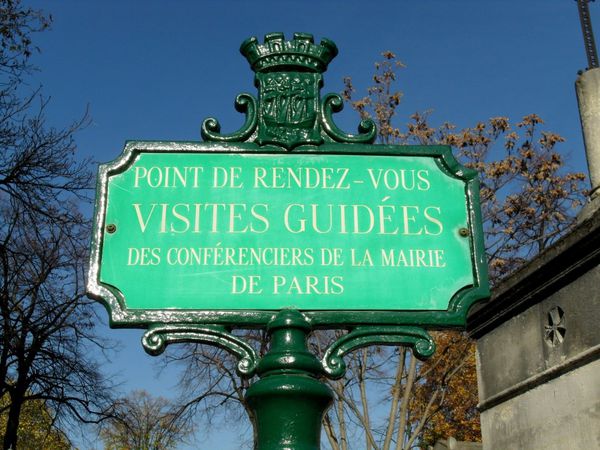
x,y
454,411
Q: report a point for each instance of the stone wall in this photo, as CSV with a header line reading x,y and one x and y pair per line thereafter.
x,y
538,349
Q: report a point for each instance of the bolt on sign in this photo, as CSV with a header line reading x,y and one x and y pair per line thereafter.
x,y
289,212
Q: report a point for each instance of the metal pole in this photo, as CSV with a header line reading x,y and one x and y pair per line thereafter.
x,y
289,401
588,33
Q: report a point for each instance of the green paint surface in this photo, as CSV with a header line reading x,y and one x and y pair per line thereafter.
x,y
218,231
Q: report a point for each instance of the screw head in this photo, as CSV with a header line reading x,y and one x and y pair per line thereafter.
x,y
111,228
464,232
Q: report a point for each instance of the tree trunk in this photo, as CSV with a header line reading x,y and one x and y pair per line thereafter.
x,y
12,424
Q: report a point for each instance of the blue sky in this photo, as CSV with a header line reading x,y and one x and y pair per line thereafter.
x,y
153,70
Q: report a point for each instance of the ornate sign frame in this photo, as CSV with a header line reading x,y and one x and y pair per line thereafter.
x,y
454,316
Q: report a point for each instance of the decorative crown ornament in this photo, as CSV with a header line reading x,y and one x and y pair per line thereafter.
x,y
299,53
289,111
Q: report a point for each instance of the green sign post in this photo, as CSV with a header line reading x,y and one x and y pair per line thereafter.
x,y
288,224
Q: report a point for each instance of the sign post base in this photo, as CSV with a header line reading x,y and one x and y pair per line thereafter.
x,y
289,401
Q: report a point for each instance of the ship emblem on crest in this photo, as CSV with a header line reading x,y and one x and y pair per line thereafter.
x,y
289,109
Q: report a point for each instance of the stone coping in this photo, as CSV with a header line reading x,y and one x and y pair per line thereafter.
x,y
554,268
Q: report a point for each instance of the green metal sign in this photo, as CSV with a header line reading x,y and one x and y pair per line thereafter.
x,y
190,228
288,224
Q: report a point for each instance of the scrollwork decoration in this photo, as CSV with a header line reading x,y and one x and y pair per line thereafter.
x,y
333,103
244,103
417,338
157,337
